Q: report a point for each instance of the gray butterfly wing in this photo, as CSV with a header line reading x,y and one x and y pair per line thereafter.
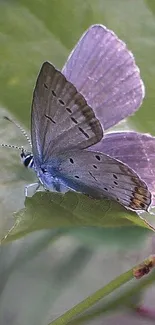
x,y
104,71
61,119
137,150
99,175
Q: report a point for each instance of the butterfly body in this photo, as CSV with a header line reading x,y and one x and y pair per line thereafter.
x,y
49,178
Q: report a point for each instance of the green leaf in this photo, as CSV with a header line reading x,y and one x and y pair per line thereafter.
x,y
54,210
35,31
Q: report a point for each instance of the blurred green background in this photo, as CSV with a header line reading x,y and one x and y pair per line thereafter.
x,y
47,272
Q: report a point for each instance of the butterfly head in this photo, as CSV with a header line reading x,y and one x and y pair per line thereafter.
x,y
27,159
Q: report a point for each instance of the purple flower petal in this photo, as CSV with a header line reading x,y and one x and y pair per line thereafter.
x,y
137,150
104,71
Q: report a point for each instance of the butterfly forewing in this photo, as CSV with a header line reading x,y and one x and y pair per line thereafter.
x,y
61,118
104,71
99,175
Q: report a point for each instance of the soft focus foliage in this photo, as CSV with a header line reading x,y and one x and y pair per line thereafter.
x,y
48,272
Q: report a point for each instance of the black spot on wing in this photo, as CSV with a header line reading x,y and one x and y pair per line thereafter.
x,y
71,160
53,93
50,118
68,110
74,120
61,102
82,131
91,174
45,86
98,157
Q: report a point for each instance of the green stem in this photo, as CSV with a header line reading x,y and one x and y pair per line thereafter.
x,y
94,298
124,299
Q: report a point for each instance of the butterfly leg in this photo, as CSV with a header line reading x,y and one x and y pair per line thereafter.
x,y
33,185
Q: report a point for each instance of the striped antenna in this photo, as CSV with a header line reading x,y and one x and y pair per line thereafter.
x,y
21,129
11,146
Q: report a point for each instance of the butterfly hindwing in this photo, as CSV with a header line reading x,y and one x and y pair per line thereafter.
x,y
104,71
137,150
99,175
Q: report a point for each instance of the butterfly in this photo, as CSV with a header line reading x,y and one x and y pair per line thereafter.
x,y
64,125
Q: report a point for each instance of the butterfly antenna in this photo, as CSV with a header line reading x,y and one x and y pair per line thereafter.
x,y
21,129
11,146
